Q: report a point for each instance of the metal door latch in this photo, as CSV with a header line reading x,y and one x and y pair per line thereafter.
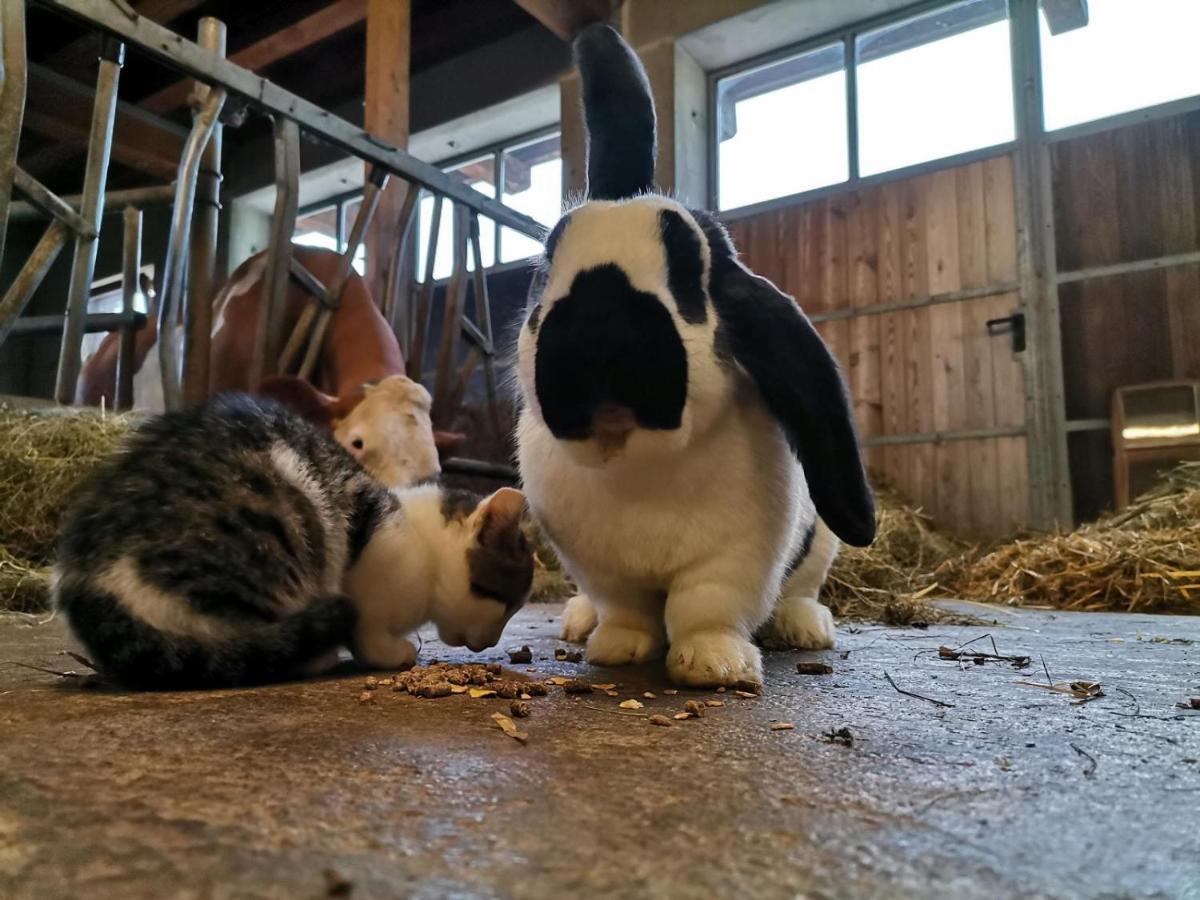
x,y
1014,325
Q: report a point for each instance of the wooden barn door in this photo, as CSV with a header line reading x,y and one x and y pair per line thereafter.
x,y
902,280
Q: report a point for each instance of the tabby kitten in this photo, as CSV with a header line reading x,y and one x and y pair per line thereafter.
x,y
237,544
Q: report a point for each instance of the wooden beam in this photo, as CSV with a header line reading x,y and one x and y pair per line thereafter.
x,y
324,23
60,108
389,33
567,17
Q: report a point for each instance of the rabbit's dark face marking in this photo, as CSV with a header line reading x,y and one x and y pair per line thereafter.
x,y
617,350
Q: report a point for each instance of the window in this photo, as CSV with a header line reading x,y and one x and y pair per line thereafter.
x,y
328,226
934,86
783,128
926,87
1129,55
532,173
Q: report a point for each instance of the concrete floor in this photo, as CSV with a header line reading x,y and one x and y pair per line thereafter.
x,y
1013,791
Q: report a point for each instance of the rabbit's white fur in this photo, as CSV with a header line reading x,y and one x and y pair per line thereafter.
x,y
684,535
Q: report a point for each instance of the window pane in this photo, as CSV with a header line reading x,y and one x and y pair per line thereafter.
x,y
532,185
934,86
782,128
317,229
478,174
1129,55
351,208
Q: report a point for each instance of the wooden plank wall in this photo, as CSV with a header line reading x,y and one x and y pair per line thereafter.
x,y
925,370
1121,196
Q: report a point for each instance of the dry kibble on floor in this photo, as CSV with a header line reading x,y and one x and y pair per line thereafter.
x,y
435,689
749,694
493,668
714,702
386,682
649,695
604,687
721,690
520,709
371,683
577,686
670,692
366,697
631,704
613,693
507,690
748,687
695,707
520,655
660,720
782,726
814,668
536,689
683,715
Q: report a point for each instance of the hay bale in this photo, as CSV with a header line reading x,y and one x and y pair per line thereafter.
x,y
1143,559
44,454
891,580
550,582
23,588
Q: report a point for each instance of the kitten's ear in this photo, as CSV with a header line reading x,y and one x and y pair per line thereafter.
x,y
500,520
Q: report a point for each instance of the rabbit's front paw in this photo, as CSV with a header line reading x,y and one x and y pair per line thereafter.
x,y
620,645
803,624
713,659
578,620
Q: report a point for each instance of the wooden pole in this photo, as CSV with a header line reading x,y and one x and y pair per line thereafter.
x,y
386,118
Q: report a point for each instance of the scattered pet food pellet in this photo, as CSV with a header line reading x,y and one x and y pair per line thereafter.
x,y
521,655
366,697
371,683
604,687
714,702
649,695
493,668
631,704
436,689
670,692
695,707
480,693
660,720
574,656
683,715
613,693
509,727
782,726
749,694
1195,702
721,689
507,690
749,687
577,686
525,696
814,668
386,682
536,689
337,884
520,709
458,678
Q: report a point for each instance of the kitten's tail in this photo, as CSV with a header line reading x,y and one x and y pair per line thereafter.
x,y
137,655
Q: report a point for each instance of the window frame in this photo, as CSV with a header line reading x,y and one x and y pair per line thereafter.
x,y
848,36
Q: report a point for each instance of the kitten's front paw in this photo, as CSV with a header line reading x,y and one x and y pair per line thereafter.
x,y
620,645
579,619
384,651
804,624
713,659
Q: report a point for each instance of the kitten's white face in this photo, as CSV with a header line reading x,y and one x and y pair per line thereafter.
x,y
389,432
494,579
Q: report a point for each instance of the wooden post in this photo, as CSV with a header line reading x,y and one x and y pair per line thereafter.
x,y
386,117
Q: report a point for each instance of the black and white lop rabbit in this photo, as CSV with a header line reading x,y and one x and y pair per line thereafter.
x,y
685,437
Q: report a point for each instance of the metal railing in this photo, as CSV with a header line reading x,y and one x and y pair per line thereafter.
x,y
220,86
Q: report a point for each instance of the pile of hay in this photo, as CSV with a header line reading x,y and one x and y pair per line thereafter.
x,y
550,582
1143,559
44,454
891,580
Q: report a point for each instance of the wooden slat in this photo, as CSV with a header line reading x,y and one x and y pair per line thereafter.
x,y
291,39
566,17
79,57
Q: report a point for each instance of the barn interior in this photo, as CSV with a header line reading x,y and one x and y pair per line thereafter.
x,y
989,210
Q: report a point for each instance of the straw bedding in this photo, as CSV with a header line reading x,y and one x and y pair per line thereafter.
x,y
1144,559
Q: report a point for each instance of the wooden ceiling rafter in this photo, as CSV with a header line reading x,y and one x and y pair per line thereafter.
x,y
567,17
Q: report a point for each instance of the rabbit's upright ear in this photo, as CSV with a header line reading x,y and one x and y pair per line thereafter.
x,y
618,110
778,347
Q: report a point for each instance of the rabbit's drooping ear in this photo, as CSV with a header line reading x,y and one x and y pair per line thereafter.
x,y
619,112
799,379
